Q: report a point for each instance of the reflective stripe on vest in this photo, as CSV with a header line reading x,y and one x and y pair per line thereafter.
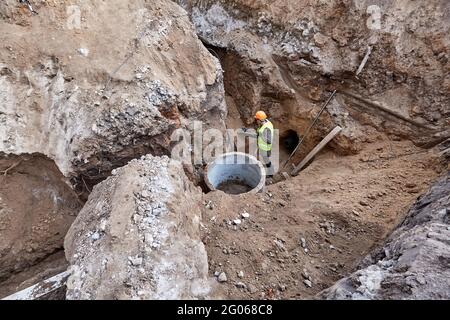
x,y
262,145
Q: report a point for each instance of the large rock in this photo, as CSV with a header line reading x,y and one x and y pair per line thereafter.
x,y
288,54
138,237
95,85
414,263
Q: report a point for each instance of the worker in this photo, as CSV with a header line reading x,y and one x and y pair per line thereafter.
x,y
264,135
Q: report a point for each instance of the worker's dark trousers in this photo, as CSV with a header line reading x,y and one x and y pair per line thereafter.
x,y
265,158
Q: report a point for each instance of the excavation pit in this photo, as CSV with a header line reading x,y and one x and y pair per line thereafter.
x,y
235,173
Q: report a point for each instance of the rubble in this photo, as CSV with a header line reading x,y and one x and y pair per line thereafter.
x,y
245,215
303,242
222,277
241,285
237,221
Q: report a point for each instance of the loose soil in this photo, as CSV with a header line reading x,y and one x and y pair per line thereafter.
x,y
37,207
234,187
314,227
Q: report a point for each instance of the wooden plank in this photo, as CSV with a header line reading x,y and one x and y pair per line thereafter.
x,y
285,175
319,147
41,289
309,128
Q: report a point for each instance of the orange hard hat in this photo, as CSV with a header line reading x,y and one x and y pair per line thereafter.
x,y
261,115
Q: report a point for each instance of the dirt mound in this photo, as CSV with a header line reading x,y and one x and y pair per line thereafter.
x,y
138,237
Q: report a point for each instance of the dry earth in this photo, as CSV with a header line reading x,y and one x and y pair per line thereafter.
x,y
77,103
342,207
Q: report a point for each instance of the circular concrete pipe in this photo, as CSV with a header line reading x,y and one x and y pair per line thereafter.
x,y
235,173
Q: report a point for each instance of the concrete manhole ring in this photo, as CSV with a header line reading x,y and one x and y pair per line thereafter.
x,y
235,173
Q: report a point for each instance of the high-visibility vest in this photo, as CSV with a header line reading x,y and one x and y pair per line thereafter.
x,y
262,145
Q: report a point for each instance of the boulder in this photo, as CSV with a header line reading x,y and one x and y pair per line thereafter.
x,y
138,237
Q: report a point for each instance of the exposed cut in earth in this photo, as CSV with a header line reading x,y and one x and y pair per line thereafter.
x,y
97,203
37,207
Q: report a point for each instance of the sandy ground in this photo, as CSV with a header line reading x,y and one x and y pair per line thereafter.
x,y
305,233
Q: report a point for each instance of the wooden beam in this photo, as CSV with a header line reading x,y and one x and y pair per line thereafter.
x,y
41,289
309,128
319,147
385,109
